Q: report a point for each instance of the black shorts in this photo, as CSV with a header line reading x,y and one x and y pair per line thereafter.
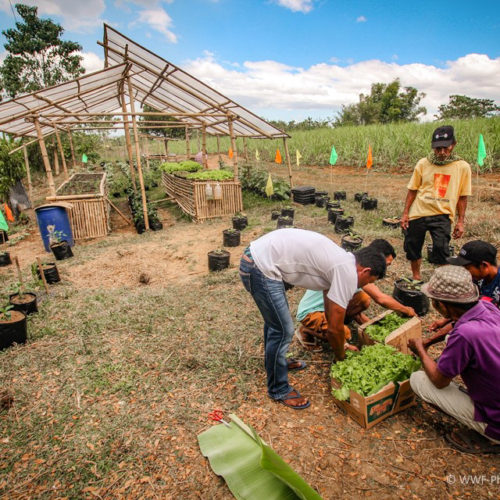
x,y
439,226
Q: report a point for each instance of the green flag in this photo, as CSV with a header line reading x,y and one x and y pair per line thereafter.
x,y
3,223
333,156
481,151
84,158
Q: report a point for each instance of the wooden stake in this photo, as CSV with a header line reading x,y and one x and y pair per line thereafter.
x,y
245,151
19,275
138,154
56,162
28,175
40,268
45,157
288,161
166,146
70,138
204,146
61,152
128,142
120,213
188,149
233,147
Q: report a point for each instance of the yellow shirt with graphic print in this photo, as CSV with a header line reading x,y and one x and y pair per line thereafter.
x,y
438,188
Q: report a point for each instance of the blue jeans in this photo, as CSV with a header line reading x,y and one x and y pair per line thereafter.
x,y
269,295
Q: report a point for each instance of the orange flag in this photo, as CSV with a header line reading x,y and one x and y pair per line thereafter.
x,y
369,160
8,212
277,158
230,153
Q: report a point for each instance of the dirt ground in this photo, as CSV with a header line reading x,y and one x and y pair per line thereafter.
x,y
404,456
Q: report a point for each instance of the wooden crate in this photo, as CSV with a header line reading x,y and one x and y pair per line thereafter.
x,y
89,217
399,337
190,195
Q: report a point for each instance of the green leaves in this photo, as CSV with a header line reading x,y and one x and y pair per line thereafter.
x,y
366,372
380,330
211,175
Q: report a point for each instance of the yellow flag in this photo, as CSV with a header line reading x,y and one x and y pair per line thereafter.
x,y
298,156
257,155
230,153
277,158
269,187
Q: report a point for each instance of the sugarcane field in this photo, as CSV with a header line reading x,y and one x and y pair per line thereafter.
x,y
198,301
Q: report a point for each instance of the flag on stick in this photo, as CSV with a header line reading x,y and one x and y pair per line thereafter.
x,y
298,156
230,153
481,151
269,186
333,156
369,160
277,158
3,223
8,213
257,155
84,158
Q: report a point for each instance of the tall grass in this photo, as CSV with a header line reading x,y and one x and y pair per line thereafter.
x,y
393,146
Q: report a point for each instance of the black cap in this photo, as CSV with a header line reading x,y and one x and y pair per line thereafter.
x,y
474,252
443,137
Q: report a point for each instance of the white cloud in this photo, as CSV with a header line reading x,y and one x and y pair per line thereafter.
x,y
273,88
75,15
159,20
304,6
91,62
361,19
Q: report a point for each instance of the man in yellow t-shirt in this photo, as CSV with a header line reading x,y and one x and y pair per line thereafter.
x,y
437,191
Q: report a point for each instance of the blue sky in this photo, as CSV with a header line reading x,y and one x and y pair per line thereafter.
x,y
291,59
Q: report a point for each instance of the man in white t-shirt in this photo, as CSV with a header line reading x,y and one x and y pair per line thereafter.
x,y
312,261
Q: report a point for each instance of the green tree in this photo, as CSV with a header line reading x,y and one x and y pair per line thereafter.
x,y
465,107
173,132
11,167
386,103
37,57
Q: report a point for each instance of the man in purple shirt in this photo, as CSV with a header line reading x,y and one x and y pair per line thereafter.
x,y
473,352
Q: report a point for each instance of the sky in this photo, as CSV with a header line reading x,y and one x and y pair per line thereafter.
x,y
293,59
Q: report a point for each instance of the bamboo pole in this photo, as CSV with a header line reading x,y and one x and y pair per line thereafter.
x,y
42,275
233,147
45,156
204,146
218,149
73,159
288,162
138,154
128,141
120,213
61,152
166,146
56,162
188,149
245,150
12,151
28,175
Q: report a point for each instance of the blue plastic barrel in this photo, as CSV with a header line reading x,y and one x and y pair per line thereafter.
x,y
57,216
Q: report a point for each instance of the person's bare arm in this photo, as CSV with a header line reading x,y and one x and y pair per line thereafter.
x,y
387,301
458,231
410,198
335,333
428,364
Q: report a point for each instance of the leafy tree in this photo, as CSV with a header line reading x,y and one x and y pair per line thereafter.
x,y
307,124
386,103
464,107
37,57
11,167
174,132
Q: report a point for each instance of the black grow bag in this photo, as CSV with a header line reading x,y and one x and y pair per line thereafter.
x,y
61,250
333,213
218,260
50,272
351,243
333,204
369,203
322,201
155,225
231,237
4,237
284,221
14,330
5,259
342,224
275,214
339,195
27,306
240,222
411,298
140,227
393,223
360,196
288,212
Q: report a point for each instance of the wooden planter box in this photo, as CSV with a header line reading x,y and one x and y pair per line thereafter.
x,y
190,195
399,337
89,217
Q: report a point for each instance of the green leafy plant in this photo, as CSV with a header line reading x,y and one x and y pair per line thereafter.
x,y
5,313
367,371
211,175
381,329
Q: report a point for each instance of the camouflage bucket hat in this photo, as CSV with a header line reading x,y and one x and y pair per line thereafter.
x,y
451,284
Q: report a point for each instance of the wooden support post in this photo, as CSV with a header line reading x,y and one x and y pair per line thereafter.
x,y
138,154
188,149
198,139
73,159
56,162
28,174
245,150
45,157
233,147
165,141
288,161
61,152
204,146
42,275
128,142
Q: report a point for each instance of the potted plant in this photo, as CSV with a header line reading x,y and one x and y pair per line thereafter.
x,y
288,211
5,259
231,237
153,219
275,214
50,272
240,221
23,301
360,196
332,204
321,201
351,241
13,327
333,213
4,237
58,245
408,292
218,259
339,195
284,221
369,203
392,222
342,224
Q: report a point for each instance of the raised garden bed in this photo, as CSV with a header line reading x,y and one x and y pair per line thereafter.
x,y
87,193
191,196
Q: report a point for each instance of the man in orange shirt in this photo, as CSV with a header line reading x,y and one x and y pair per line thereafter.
x,y
437,191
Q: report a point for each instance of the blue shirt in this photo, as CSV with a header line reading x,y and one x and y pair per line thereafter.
x,y
491,289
